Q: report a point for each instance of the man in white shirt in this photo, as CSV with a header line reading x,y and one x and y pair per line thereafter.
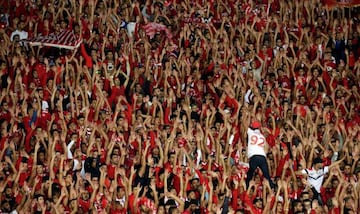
x,y
315,176
20,32
256,153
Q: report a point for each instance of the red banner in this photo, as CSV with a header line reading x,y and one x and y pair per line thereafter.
x,y
342,3
65,39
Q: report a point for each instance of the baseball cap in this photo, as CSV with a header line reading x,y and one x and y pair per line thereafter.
x,y
255,125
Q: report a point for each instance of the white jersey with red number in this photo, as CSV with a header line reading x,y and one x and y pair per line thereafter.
x,y
256,143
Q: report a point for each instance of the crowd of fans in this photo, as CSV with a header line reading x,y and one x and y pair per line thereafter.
x,y
149,114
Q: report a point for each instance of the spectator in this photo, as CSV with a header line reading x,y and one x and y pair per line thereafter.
x,y
315,177
19,33
257,153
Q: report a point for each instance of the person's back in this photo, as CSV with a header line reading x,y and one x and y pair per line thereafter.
x,y
256,143
256,153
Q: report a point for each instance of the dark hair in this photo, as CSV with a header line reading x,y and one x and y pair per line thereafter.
x,y
256,200
296,202
39,195
113,154
241,211
2,62
172,210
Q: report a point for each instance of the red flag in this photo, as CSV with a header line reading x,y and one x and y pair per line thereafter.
x,y
65,39
152,28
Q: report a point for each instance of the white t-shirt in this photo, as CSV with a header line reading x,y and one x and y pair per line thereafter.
x,y
256,143
44,105
22,34
316,178
249,95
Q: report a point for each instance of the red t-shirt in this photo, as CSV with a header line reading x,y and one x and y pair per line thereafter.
x,y
111,171
85,205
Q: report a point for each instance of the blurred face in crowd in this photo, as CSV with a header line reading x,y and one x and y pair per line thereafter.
x,y
302,100
156,152
259,204
305,196
39,169
6,207
318,166
172,158
257,178
57,27
316,206
8,192
4,107
21,25
347,169
298,207
85,195
84,147
279,207
81,121
16,40
68,179
74,136
24,165
41,200
63,24
334,183
307,204
195,183
120,193
192,195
